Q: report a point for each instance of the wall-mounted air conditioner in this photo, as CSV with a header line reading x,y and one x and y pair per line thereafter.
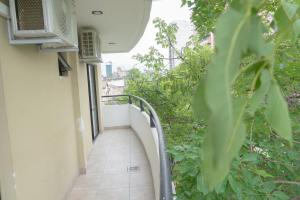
x,y
89,46
50,23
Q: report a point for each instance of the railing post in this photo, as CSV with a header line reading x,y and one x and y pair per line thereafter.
x,y
142,106
152,124
129,100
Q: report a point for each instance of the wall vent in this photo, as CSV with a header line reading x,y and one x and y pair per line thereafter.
x,y
30,14
90,48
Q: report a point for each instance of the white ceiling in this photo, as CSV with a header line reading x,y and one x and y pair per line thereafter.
x,y
123,21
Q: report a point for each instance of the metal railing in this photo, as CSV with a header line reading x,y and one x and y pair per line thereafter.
x,y
166,192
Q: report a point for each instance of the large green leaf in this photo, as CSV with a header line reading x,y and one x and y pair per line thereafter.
x,y
236,33
260,94
201,187
221,147
238,134
215,161
231,33
281,18
257,43
254,67
235,186
262,173
200,107
277,113
296,28
286,20
280,195
289,8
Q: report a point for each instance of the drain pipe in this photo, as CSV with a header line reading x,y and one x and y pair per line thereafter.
x,y
4,10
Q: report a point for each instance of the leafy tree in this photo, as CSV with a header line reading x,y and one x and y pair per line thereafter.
x,y
240,32
245,97
205,13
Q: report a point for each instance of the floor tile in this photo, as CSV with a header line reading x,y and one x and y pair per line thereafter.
x,y
107,175
142,193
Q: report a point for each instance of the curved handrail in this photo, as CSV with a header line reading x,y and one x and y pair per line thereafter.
x,y
166,192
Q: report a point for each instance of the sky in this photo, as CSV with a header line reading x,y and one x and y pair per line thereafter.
x,y
168,10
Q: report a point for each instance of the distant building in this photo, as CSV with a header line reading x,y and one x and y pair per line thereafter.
x,y
209,40
120,73
115,83
113,86
109,69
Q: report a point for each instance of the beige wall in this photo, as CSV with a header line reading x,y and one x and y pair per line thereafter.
x,y
41,124
7,181
82,111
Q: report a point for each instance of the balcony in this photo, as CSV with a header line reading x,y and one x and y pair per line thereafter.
x,y
129,160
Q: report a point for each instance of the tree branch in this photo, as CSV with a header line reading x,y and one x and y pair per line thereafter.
x,y
287,182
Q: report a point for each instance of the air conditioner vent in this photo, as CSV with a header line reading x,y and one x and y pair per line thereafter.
x,y
48,23
61,11
30,14
87,44
64,27
90,49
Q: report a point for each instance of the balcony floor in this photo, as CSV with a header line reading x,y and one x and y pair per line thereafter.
x,y
107,175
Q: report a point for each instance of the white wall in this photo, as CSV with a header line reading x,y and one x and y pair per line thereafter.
x,y
116,115
140,123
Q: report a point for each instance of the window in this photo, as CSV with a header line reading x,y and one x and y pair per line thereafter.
x,y
63,65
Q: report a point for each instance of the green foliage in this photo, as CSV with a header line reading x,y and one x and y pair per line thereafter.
x,y
253,174
166,34
287,20
246,99
239,32
170,92
277,113
205,14
153,61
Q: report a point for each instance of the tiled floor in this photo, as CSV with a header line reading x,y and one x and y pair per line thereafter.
x,y
108,176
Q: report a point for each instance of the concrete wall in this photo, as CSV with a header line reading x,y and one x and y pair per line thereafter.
x,y
116,116
82,111
140,123
45,133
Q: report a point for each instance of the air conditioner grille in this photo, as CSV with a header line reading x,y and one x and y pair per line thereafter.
x,y
64,27
90,50
87,43
30,14
62,9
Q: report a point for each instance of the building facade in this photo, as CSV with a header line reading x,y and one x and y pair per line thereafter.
x,y
109,69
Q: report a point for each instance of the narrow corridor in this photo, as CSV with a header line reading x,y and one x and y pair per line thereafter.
x,y
118,169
